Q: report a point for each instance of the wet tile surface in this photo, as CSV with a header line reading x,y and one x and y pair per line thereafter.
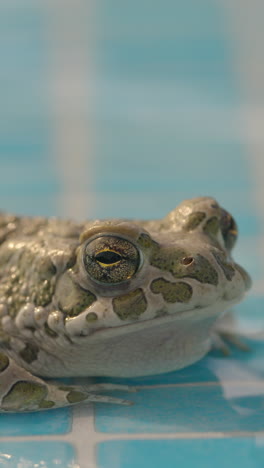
x,y
198,453
31,424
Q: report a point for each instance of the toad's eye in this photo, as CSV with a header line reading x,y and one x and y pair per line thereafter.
x,y
229,229
111,259
108,257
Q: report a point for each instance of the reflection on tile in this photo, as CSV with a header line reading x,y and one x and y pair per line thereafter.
x,y
215,453
37,454
195,408
40,423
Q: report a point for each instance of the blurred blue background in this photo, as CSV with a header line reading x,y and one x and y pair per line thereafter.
x,y
114,108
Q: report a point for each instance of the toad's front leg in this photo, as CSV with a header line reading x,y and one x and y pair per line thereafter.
x,y
21,391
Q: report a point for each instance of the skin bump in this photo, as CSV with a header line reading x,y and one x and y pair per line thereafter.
x,y
193,220
24,394
172,260
131,305
4,362
172,292
91,317
49,331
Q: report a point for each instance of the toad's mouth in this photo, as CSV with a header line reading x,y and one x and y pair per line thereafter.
x,y
148,323
196,314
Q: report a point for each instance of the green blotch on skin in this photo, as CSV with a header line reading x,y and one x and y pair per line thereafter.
x,y
76,397
23,396
4,362
172,292
46,404
29,353
168,259
130,305
211,226
71,297
193,220
228,269
171,259
203,271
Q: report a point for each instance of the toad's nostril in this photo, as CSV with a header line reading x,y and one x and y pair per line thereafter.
x,y
187,260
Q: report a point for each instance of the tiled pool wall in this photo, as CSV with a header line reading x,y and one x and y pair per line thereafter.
x,y
158,122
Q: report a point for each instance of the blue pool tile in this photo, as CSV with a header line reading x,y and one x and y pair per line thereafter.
x,y
245,453
23,57
155,204
37,454
251,309
170,18
40,423
27,174
247,254
249,223
194,408
179,41
157,99
148,173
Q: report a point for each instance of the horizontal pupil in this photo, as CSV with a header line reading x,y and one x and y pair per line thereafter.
x,y
108,257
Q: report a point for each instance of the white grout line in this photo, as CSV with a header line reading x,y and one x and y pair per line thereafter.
x,y
102,437
105,437
84,435
70,79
